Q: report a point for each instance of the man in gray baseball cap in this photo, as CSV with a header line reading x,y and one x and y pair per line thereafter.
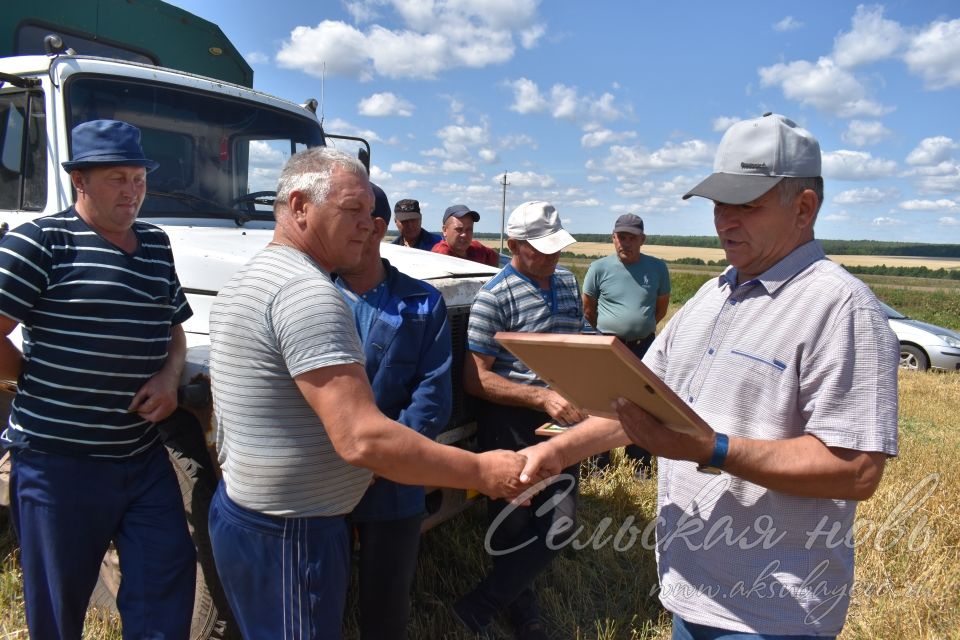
x,y
791,361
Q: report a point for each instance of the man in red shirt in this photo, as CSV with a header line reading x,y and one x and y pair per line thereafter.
x,y
458,239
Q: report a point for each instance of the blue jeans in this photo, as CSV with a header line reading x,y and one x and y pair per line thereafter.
x,y
683,630
66,510
285,578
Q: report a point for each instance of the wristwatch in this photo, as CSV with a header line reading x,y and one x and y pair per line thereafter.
x,y
721,444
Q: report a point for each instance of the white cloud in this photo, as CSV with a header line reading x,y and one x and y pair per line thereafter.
x,y
866,195
834,217
886,222
457,166
488,155
948,221
333,46
463,135
530,37
257,57
932,151
564,102
405,166
361,11
722,123
823,85
526,97
378,175
872,38
527,179
944,205
934,54
596,139
341,126
862,133
517,140
856,165
638,160
595,179
435,36
588,202
789,23
385,104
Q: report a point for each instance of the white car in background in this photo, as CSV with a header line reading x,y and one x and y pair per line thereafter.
x,y
922,345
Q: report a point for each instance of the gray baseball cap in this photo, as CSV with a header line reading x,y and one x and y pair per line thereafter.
x,y
755,155
629,223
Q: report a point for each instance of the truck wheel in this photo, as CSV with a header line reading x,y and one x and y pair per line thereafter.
x,y
188,453
187,447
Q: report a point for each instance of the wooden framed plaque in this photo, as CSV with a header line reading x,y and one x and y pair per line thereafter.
x,y
592,371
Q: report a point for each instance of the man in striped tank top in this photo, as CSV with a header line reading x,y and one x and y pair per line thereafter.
x,y
101,307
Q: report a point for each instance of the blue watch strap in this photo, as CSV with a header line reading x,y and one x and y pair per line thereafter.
x,y
721,444
720,447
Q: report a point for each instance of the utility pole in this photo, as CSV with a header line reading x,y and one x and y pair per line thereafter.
x,y
503,208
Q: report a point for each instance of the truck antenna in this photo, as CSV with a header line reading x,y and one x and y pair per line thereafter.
x,y
503,208
323,80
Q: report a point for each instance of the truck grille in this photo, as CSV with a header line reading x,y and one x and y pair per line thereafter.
x,y
463,404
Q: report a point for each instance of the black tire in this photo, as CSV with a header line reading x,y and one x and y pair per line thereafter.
x,y
186,446
913,358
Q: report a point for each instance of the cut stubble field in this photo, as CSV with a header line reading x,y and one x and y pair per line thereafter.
x,y
671,253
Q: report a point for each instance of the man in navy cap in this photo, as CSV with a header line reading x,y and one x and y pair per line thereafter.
x,y
101,308
458,239
791,361
402,323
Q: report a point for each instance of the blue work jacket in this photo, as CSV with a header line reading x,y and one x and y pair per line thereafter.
x,y
425,241
408,354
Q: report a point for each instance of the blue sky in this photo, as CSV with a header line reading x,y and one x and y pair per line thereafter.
x,y
610,107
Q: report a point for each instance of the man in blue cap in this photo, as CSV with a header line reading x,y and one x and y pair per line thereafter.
x,y
402,323
101,307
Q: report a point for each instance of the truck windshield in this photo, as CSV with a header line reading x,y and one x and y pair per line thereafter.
x,y
219,156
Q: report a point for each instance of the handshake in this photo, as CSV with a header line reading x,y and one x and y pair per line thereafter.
x,y
508,474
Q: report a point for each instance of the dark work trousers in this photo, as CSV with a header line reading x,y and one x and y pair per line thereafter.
x,y
285,578
634,452
66,510
388,561
520,538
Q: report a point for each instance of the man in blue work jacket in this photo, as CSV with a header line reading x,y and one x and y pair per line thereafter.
x,y
403,326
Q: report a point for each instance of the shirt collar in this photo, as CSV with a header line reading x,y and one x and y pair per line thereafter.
x,y
782,272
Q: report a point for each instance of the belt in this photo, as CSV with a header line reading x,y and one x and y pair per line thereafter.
x,y
631,343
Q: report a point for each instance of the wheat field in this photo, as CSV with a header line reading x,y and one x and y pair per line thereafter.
x,y
670,253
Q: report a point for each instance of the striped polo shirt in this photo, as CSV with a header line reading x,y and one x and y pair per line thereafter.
x,y
802,349
96,324
511,301
280,316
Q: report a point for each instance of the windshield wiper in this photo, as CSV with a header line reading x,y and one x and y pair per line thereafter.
x,y
199,204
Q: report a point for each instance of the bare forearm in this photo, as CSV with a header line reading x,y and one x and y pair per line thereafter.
x,y
592,436
398,453
806,467
176,354
495,388
11,361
